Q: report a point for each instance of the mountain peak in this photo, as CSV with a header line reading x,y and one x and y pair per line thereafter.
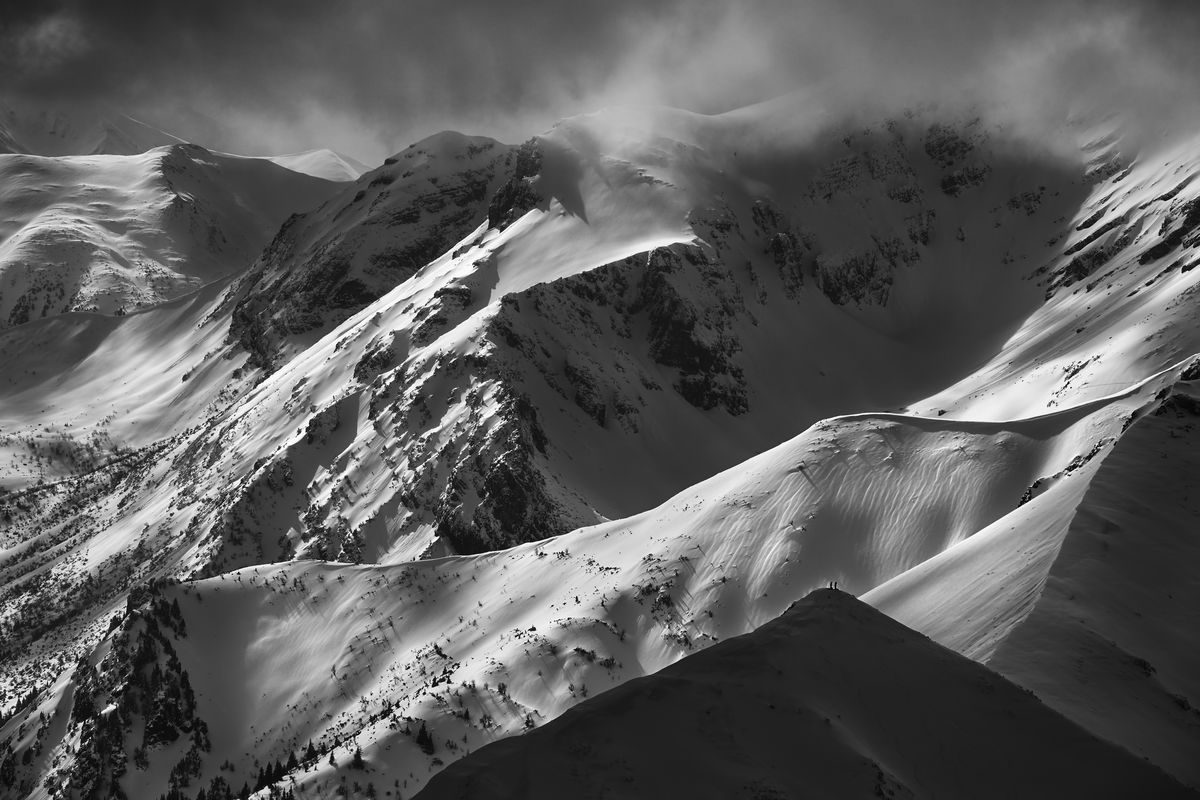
x,y
798,708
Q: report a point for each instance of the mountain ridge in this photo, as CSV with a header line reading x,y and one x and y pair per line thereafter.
x,y
771,709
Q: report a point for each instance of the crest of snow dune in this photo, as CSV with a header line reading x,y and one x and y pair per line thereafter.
x,y
322,163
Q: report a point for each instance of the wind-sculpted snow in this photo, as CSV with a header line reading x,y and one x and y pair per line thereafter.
x,y
1087,594
473,648
322,164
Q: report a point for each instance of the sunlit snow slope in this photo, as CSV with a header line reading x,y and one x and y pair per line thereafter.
x,y
114,233
322,163
473,648
98,131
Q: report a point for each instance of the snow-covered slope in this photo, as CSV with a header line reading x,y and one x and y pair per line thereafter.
x,y
474,648
1121,289
538,340
322,163
832,699
39,131
1088,594
619,317
114,233
830,353
80,388
327,264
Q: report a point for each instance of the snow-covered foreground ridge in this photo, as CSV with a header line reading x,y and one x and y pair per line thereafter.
x,y
511,353
799,708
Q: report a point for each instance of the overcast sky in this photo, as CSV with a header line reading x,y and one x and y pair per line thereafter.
x,y
368,78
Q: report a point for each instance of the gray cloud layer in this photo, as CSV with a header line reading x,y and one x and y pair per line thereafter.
x,y
369,77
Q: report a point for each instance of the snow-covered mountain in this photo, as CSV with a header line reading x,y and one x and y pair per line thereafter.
x,y
473,648
97,131
115,233
328,264
721,361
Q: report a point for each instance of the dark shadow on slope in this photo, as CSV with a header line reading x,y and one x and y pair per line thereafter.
x,y
1108,642
832,699
562,171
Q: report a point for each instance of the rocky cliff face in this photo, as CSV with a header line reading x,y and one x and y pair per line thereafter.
x,y
325,265
466,441
485,438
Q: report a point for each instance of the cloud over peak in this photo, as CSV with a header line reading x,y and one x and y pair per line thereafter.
x,y
369,77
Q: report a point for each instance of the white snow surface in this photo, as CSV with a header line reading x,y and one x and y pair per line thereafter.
x,y
28,130
113,233
321,163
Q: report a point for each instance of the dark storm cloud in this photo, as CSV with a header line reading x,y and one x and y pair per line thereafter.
x,y
369,77
299,73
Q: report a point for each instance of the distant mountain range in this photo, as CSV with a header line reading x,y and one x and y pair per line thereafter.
x,y
92,132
